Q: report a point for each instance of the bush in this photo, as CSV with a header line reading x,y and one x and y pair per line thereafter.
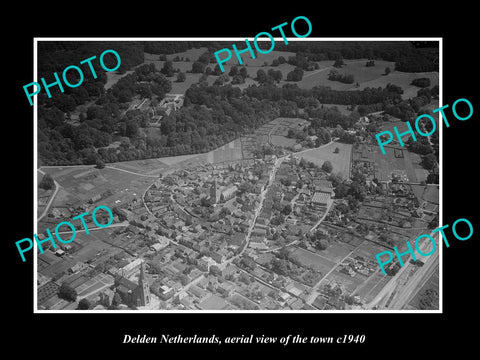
x,y
66,292
295,75
421,82
47,182
327,166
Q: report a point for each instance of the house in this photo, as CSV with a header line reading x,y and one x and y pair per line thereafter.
x,y
228,193
129,269
164,292
163,242
77,267
198,292
204,263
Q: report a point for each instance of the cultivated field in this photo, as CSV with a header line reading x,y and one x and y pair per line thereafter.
x,y
360,284
83,183
310,259
409,166
340,161
228,152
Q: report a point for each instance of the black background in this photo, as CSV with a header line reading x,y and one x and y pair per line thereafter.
x,y
386,334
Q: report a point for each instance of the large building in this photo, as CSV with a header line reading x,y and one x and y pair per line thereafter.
x,y
221,194
320,198
134,294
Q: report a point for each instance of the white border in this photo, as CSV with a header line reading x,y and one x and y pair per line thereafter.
x,y
35,190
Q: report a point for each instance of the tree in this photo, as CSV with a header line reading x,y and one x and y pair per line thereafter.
x,y
181,77
338,63
198,67
66,292
261,76
233,70
47,182
243,72
295,75
337,150
100,164
321,244
131,129
167,69
429,161
217,71
287,209
84,304
327,166
387,70
421,82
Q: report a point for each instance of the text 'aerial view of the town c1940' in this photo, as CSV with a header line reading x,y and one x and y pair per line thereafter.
x,y
260,188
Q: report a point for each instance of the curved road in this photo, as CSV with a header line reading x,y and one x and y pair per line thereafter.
x,y
47,207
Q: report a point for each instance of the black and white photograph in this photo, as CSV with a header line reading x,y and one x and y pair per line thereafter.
x,y
259,187
194,179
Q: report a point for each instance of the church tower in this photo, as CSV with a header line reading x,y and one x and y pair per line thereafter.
x,y
215,193
143,288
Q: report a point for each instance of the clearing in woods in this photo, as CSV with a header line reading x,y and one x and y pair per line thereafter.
x,y
340,161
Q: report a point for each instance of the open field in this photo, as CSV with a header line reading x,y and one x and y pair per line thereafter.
x,y
228,152
399,124
340,161
274,132
397,161
153,167
277,140
336,251
84,183
403,80
309,259
357,68
409,165
360,284
113,77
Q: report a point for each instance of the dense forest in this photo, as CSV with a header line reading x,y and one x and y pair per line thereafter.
x,y
107,129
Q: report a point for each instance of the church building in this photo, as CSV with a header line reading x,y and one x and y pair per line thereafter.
x,y
131,293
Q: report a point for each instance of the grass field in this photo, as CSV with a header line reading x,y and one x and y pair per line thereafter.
x,y
113,77
403,80
360,284
409,165
83,183
228,152
310,259
340,161
357,68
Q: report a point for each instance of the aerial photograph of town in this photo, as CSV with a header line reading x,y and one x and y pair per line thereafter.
x,y
258,188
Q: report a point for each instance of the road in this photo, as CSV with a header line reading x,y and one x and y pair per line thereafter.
x,y
93,166
258,210
406,291
401,284
123,223
47,207
131,172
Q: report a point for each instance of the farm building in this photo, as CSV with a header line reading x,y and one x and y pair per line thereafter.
x,y
320,198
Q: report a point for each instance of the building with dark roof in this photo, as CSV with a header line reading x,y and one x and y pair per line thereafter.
x,y
131,293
